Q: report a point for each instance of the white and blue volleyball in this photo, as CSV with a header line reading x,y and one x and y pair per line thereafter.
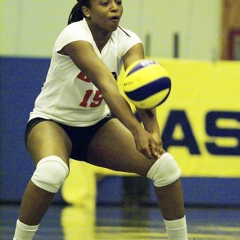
x,y
146,84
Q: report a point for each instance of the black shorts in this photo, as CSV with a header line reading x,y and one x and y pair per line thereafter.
x,y
79,136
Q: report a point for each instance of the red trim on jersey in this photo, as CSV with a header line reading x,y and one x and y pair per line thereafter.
x,y
83,77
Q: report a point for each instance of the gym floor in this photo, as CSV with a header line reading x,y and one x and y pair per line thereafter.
x,y
120,223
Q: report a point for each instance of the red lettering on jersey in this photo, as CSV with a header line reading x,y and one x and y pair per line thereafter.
x,y
83,77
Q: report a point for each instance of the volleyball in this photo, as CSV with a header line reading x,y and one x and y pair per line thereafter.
x,y
146,84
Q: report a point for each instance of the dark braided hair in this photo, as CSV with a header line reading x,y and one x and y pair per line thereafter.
x,y
76,13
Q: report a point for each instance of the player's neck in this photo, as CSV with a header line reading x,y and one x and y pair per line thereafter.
x,y
100,36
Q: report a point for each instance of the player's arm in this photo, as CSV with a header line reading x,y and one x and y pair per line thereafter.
x,y
135,53
148,117
83,55
150,122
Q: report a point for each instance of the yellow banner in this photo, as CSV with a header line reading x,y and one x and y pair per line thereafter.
x,y
200,121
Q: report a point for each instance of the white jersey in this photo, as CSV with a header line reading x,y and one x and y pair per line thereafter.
x,y
68,96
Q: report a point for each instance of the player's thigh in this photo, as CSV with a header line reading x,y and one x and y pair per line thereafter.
x,y
48,138
113,147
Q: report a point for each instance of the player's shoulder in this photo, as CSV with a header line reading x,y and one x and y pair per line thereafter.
x,y
122,32
124,38
76,27
74,31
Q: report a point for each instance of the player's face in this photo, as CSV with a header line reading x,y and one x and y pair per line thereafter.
x,y
105,14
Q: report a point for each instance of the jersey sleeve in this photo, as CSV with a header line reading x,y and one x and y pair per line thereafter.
x,y
127,39
73,32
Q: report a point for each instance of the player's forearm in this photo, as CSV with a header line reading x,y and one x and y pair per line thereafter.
x,y
149,119
105,82
121,109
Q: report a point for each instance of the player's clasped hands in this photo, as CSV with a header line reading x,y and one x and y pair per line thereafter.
x,y
150,145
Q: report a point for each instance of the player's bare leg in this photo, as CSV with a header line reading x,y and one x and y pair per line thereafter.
x,y
113,147
35,202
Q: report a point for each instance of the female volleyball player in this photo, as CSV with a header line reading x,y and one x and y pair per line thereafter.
x,y
71,118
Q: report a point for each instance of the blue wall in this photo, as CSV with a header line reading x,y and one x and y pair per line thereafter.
x,y
208,192
21,80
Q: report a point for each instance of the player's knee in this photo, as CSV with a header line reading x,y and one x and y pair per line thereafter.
x,y
50,173
164,171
